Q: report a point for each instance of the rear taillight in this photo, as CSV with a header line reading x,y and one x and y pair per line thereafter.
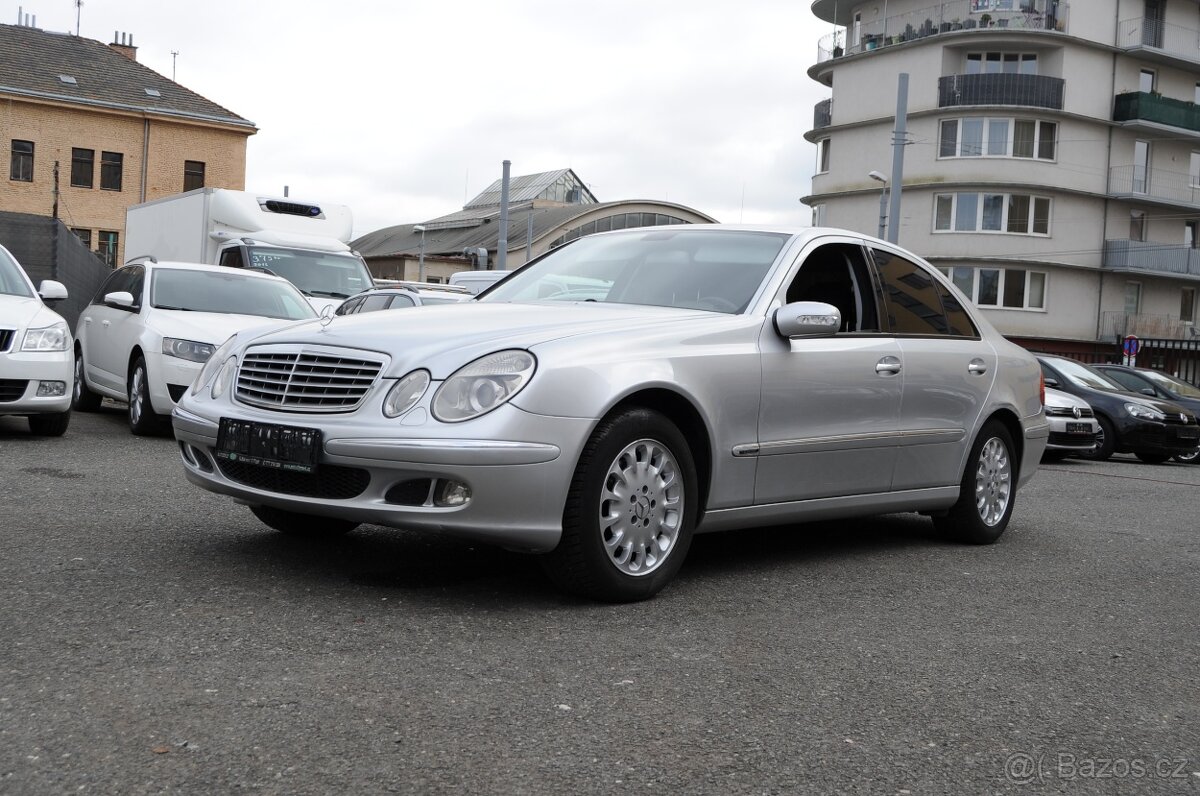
x,y
1042,387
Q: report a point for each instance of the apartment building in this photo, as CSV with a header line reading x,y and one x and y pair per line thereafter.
x,y
89,131
1052,156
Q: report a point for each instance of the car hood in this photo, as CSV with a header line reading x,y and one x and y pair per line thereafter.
x,y
209,327
443,338
1060,399
19,312
1112,397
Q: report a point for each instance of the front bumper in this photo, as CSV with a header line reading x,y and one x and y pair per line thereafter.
x,y
166,374
1148,436
33,368
517,466
1063,440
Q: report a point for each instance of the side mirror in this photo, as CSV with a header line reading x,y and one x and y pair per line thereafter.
x,y
1149,391
1051,381
121,299
50,290
807,319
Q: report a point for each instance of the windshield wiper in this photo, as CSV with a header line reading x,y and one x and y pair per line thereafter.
x,y
169,307
327,293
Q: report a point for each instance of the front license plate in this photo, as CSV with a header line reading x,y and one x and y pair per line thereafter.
x,y
268,445
1079,428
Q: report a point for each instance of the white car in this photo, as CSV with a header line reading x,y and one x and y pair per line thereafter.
x,y
35,351
1073,425
151,327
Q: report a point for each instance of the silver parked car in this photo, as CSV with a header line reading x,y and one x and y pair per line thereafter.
x,y
728,377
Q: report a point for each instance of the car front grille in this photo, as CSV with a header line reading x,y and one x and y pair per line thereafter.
x,y
6,339
304,380
12,389
329,481
1066,411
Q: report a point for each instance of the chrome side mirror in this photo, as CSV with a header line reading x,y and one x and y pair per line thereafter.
x,y
807,319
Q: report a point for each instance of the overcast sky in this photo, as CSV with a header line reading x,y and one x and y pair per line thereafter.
x,y
403,110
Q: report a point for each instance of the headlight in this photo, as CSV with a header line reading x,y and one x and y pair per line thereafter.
x,y
482,385
224,377
210,367
405,393
1143,412
51,338
187,349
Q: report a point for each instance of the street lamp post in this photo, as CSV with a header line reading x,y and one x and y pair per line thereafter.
x,y
421,253
883,202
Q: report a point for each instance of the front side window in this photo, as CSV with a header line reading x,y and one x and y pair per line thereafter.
x,y
1018,214
838,274
997,137
21,166
111,166
193,175
1002,288
83,167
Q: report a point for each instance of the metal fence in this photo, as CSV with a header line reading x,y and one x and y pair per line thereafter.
x,y
1177,40
47,249
1171,186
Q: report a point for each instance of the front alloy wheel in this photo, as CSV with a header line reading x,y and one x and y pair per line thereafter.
x,y
142,419
641,507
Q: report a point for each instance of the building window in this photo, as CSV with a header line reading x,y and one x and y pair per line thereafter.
x,y
995,63
84,235
823,155
1146,81
83,167
975,137
1002,288
1141,165
111,164
1133,298
193,175
818,215
21,167
1187,304
1137,225
1191,234
1018,214
108,247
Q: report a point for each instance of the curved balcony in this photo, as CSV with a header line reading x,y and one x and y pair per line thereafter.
x,y
1032,91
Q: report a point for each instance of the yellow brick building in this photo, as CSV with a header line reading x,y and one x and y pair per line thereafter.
x,y
116,132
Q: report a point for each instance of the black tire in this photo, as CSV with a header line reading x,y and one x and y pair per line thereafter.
x,y
142,419
594,558
1153,458
307,526
991,469
82,398
1106,442
1054,456
54,425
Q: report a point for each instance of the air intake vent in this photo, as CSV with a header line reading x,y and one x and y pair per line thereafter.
x,y
292,208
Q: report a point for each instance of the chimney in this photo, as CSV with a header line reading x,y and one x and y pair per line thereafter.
x,y
124,47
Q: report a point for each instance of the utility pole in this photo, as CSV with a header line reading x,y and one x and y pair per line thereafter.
x,y
78,10
899,141
174,55
502,243
54,210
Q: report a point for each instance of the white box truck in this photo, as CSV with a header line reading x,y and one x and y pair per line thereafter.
x,y
306,243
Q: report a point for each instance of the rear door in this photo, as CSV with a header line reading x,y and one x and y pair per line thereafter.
x,y
948,372
95,325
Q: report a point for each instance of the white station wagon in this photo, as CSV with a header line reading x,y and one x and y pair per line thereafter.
x,y
700,378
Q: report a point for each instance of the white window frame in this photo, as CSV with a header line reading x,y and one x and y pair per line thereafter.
x,y
980,206
1018,57
973,295
985,143
823,150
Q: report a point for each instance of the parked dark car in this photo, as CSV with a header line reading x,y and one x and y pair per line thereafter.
x,y
1159,385
1152,429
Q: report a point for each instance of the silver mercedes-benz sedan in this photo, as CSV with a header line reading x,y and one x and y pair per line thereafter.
x,y
617,395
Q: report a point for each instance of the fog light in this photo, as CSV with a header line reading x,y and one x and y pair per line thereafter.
x,y
51,389
452,493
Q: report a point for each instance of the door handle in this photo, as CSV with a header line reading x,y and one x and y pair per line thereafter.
x,y
105,323
977,367
888,366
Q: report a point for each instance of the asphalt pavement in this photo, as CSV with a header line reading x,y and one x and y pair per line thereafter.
x,y
156,638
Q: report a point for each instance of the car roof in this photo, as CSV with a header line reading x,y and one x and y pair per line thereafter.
x,y
176,265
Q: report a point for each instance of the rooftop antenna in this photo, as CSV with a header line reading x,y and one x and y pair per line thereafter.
x,y
78,10
174,55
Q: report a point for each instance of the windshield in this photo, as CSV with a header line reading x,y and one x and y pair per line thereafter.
x,y
12,278
717,270
328,274
1170,384
1082,376
227,291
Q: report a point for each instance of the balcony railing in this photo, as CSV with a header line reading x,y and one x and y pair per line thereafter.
x,y
1174,40
944,18
1141,106
1156,258
1115,326
1035,91
823,114
1167,186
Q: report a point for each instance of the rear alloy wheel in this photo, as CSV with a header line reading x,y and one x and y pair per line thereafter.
x,y
630,510
82,399
142,419
988,490
307,526
1188,458
54,425
1106,442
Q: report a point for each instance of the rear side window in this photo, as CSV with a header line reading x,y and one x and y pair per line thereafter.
x,y
912,298
399,302
960,322
375,302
